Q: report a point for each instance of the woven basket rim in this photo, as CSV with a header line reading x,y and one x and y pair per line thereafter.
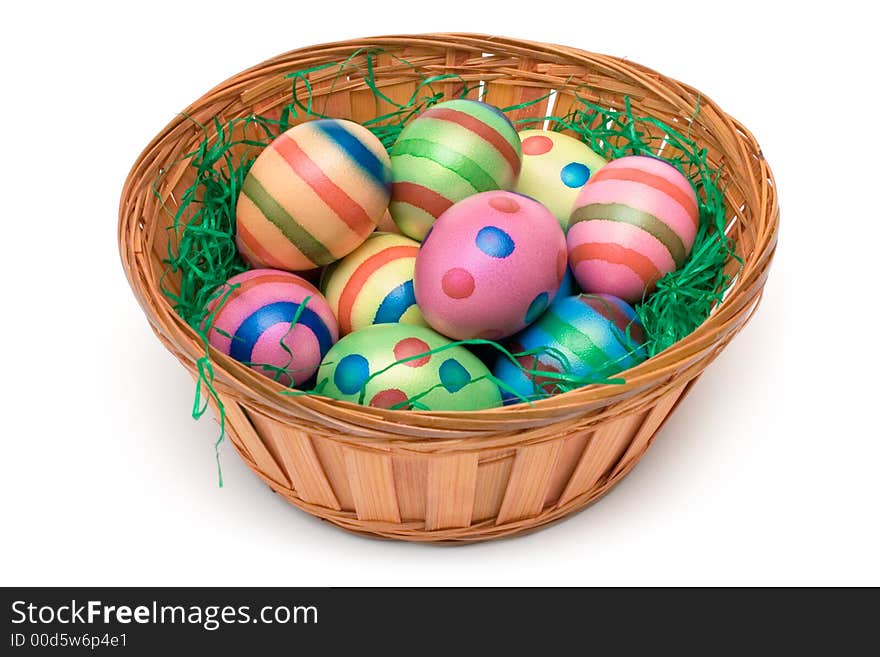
x,y
237,380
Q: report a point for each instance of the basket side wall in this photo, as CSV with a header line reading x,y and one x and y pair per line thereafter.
x,y
465,495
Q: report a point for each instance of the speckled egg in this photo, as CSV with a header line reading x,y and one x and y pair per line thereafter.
x,y
490,266
554,169
592,337
632,223
313,195
447,153
261,318
452,379
374,284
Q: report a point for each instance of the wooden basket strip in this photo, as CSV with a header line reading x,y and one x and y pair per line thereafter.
x,y
649,428
451,485
529,481
249,440
411,486
492,478
569,456
372,485
332,458
293,450
604,448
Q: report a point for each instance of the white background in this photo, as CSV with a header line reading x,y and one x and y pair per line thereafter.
x,y
768,474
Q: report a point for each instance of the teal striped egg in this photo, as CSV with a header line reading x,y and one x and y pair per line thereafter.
x,y
588,337
449,152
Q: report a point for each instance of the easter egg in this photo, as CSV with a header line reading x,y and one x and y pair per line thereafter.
x,y
588,337
389,366
491,265
632,223
262,319
447,153
374,284
312,196
554,169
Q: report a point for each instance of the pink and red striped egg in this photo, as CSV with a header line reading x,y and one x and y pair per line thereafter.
x,y
631,224
490,265
252,320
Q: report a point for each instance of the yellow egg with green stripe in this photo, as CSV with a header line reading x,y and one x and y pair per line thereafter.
x,y
312,196
451,151
374,284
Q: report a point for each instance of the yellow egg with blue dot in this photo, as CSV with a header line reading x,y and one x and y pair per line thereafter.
x,y
555,167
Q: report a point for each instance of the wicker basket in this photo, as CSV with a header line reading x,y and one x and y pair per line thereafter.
x,y
444,476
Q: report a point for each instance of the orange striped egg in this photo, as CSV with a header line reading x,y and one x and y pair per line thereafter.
x,y
374,284
313,195
632,223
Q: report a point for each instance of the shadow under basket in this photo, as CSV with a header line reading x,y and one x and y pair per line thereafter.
x,y
452,476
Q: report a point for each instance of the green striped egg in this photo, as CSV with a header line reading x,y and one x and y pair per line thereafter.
x,y
449,152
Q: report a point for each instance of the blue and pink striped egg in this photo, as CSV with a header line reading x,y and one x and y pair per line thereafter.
x,y
490,266
632,223
273,321
586,338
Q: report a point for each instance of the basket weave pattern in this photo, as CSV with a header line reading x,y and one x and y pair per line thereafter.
x,y
445,476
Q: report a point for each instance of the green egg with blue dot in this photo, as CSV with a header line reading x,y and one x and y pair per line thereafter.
x,y
406,367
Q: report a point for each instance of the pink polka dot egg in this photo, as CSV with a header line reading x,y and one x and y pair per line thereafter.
x,y
490,266
275,322
406,367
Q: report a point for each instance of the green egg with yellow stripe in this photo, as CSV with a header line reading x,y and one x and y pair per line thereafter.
x,y
312,196
451,151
